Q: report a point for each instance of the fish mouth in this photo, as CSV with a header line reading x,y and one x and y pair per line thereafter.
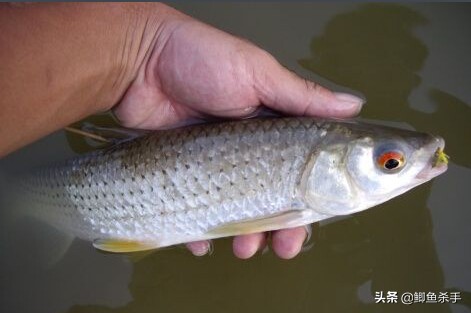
x,y
438,163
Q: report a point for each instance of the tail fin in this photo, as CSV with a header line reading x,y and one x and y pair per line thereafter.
x,y
21,229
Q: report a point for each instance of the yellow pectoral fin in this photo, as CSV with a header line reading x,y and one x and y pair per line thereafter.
x,y
122,246
286,219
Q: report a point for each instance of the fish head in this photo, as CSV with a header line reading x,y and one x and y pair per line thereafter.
x,y
370,166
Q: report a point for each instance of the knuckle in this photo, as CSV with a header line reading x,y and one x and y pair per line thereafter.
x,y
312,86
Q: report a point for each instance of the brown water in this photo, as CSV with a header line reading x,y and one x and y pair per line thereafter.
x,y
412,64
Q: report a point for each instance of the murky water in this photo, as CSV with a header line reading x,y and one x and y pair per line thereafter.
x,y
412,64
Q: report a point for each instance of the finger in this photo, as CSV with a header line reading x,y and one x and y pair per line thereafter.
x,y
199,248
245,246
287,243
281,89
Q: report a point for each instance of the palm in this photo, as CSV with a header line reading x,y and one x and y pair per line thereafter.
x,y
196,70
200,71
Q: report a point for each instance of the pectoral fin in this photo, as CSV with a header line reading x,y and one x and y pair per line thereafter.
x,y
114,134
123,246
286,219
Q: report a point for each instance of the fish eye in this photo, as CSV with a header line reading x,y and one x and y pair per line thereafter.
x,y
391,161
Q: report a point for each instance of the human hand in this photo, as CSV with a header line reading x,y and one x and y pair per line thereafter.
x,y
195,70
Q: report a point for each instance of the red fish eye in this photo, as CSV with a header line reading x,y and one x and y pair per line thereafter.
x,y
391,160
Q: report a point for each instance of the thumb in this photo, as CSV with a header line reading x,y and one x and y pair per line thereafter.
x,y
282,90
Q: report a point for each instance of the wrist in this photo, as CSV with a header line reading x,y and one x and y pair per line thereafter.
x,y
145,28
72,59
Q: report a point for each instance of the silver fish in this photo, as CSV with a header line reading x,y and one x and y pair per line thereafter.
x,y
224,179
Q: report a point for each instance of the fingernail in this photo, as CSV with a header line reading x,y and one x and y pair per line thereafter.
x,y
199,251
349,98
250,112
202,249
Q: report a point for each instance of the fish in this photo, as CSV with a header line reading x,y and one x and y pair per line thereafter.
x,y
229,178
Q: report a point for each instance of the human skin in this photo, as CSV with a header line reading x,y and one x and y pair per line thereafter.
x,y
155,68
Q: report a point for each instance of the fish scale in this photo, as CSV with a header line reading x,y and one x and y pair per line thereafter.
x,y
186,184
179,182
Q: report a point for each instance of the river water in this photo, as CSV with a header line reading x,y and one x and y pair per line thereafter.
x,y
411,62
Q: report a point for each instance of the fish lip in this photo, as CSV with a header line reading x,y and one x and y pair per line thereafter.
x,y
430,170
